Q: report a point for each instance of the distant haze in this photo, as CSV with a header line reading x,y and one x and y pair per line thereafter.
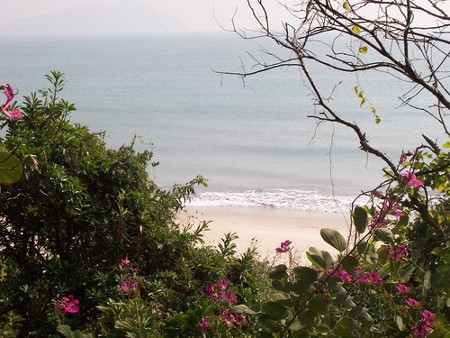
x,y
124,17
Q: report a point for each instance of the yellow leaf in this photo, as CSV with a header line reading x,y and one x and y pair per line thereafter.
x,y
361,94
363,49
356,89
346,6
363,100
373,110
356,29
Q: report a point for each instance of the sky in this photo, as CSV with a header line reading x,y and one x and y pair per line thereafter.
x,y
199,15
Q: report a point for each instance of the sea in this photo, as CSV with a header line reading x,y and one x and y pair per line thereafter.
x,y
251,137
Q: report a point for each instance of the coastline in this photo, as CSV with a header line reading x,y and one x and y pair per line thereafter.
x,y
266,228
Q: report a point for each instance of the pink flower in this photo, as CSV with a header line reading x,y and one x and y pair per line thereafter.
x,y
373,277
129,285
125,263
238,318
398,251
14,114
204,325
211,290
428,316
227,318
343,275
228,295
223,283
412,302
284,246
9,93
402,289
68,304
412,179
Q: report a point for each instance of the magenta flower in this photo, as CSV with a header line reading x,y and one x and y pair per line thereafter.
x,y
9,93
227,318
284,246
398,251
223,283
238,318
125,263
411,179
14,114
68,304
129,285
412,302
211,291
228,295
343,275
204,325
402,289
428,316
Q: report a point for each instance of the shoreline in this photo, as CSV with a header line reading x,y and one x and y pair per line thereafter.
x,y
266,228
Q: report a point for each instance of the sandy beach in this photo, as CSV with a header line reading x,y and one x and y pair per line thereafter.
x,y
266,228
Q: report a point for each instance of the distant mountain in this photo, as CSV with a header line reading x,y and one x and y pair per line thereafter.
x,y
121,18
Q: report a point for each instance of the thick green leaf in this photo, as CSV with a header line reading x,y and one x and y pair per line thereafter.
x,y
242,308
10,167
305,274
360,219
319,258
279,272
318,305
349,263
334,238
385,235
275,310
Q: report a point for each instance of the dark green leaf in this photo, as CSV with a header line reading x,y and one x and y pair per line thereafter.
x,y
349,263
334,238
360,219
275,310
384,235
10,167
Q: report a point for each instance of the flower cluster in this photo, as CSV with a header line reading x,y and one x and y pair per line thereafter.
x,y
224,298
398,251
284,246
411,179
423,327
13,114
67,304
129,285
357,277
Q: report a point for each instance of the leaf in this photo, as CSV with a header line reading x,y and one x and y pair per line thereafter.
x,y
446,144
242,308
383,254
356,89
356,29
360,219
363,49
279,272
334,238
10,167
399,322
346,6
275,310
384,235
306,275
317,305
319,259
349,263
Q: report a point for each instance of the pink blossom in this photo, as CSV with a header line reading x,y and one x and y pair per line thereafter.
x,y
402,289
412,179
205,324
14,114
238,318
211,290
428,316
9,93
68,304
284,246
373,277
227,318
223,283
125,263
398,251
412,302
343,275
129,285
228,295
378,220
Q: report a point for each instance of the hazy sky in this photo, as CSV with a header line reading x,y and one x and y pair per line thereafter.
x,y
197,14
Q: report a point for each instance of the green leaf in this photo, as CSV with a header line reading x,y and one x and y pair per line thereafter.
x,y
383,254
317,305
275,310
334,238
242,308
399,322
349,263
446,144
306,275
384,235
279,272
10,167
319,258
360,219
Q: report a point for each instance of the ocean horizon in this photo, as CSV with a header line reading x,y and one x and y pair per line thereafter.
x,y
250,139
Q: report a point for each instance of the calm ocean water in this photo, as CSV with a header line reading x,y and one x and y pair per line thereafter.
x,y
251,140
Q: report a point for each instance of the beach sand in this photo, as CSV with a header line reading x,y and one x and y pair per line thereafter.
x,y
266,228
